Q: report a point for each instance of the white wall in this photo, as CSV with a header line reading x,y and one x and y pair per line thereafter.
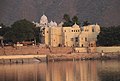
x,y
108,49
80,50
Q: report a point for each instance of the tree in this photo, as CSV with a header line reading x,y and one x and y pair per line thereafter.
x,y
37,34
21,30
109,36
66,17
4,29
69,22
75,20
86,23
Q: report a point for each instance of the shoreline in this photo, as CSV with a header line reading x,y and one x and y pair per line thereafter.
x,y
10,59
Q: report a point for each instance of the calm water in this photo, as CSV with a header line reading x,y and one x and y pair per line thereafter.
x,y
62,71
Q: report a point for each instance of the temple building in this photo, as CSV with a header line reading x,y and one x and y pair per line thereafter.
x,y
54,35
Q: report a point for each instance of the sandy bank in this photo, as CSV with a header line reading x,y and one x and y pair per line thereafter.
x,y
61,57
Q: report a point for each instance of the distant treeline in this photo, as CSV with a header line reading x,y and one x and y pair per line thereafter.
x,y
109,36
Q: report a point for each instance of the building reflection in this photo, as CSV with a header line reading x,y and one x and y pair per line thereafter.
x,y
72,71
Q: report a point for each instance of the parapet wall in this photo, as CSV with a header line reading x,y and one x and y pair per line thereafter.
x,y
113,49
108,49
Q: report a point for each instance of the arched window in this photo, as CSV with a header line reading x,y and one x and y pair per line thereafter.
x,y
92,29
82,45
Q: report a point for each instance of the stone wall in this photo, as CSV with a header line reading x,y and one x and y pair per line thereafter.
x,y
63,50
52,50
33,50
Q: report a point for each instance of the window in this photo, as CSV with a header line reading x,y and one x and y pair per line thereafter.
x,y
76,39
72,30
72,39
91,45
65,31
76,30
85,39
92,29
82,45
47,31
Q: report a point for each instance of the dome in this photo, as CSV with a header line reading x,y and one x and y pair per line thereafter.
x,y
61,24
51,23
75,26
44,17
43,20
55,24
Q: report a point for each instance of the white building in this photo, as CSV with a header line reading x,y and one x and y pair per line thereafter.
x,y
55,35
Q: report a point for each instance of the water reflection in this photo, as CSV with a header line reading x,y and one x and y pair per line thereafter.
x,y
61,71
109,71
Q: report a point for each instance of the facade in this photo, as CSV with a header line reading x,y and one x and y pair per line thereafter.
x,y
55,35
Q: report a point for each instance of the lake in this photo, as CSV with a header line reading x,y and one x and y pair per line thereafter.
x,y
62,71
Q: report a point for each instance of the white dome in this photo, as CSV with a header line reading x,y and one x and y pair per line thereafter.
x,y
61,24
43,20
44,17
51,23
55,24
75,25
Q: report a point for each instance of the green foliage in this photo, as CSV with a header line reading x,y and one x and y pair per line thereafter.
x,y
20,31
75,20
4,29
109,36
69,22
66,17
37,34
86,23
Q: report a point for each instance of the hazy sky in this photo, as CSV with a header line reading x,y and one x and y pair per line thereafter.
x,y
104,12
